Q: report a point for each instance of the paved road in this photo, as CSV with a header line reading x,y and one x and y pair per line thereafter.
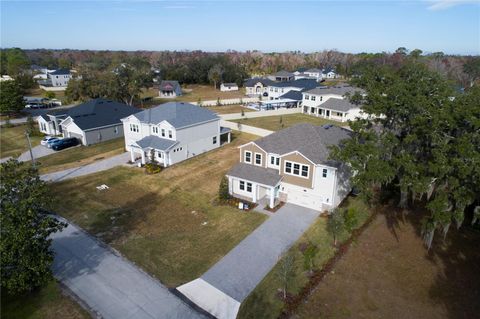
x,y
110,285
242,269
87,169
38,151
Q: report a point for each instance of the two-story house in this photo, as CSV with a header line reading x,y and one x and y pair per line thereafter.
x,y
292,165
277,89
257,86
60,77
172,132
332,103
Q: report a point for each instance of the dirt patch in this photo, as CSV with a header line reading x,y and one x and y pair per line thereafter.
x,y
389,274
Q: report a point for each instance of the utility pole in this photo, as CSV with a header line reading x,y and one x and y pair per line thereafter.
x,y
30,147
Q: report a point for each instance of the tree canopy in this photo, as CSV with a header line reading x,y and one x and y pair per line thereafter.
x,y
24,245
11,97
421,138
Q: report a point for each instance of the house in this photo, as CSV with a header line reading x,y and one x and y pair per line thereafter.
x,y
282,76
225,87
293,166
332,103
257,86
314,73
329,73
60,77
92,122
172,132
169,89
277,89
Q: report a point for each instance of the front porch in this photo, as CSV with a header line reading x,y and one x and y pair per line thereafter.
x,y
143,156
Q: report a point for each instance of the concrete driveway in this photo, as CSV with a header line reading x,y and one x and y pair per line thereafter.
x,y
222,289
112,287
38,151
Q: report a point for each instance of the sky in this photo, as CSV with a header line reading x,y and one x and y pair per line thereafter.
x,y
450,26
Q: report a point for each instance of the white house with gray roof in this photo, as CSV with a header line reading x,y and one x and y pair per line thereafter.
x,y
172,132
292,165
331,102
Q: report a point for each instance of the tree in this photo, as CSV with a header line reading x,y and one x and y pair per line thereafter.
x,y
335,225
351,219
286,272
223,193
25,245
30,125
215,74
416,53
472,69
11,98
309,254
14,62
50,94
418,140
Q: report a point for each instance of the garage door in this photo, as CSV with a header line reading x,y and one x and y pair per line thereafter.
x,y
79,136
305,200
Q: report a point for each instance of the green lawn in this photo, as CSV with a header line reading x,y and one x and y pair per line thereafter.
x,y
13,141
273,123
81,155
166,223
264,301
46,303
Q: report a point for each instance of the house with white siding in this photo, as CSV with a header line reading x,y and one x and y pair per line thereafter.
x,y
257,86
293,166
277,89
226,87
332,103
173,132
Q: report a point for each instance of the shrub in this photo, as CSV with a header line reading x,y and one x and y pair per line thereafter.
x,y
223,193
218,102
152,168
351,218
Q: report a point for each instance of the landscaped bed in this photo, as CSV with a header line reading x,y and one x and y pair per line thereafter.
x,y
278,122
167,223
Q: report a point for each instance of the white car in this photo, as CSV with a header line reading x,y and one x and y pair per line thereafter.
x,y
47,139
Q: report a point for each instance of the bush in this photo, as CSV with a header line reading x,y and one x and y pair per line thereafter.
x,y
351,218
152,168
223,193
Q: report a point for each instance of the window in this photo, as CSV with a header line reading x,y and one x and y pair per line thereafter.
x,y
242,185
313,97
321,98
297,169
115,130
324,172
249,187
307,97
170,135
258,159
276,90
288,167
134,128
155,129
163,132
274,160
248,157
304,170
214,140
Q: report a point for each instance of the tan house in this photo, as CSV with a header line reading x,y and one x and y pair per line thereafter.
x,y
292,165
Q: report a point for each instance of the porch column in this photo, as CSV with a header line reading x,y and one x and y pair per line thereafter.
x,y
230,185
143,157
254,192
229,138
272,197
132,155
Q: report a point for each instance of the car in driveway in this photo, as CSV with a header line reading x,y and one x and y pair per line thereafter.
x,y
65,143
47,139
53,141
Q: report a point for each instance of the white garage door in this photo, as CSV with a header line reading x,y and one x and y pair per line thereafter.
x,y
305,200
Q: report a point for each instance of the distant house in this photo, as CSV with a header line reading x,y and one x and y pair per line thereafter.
x,y
293,166
282,76
332,103
277,89
169,89
60,77
172,132
257,86
92,122
225,87
6,78
329,73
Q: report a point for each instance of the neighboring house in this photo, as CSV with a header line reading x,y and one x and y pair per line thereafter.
x,y
314,73
172,132
293,166
224,87
170,89
60,77
257,86
329,73
332,103
92,122
282,76
277,89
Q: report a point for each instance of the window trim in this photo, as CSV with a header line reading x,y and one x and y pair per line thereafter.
x,y
255,159
300,169
324,173
241,185
249,185
245,157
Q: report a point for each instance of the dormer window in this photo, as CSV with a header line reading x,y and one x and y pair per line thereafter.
x,y
248,157
155,130
170,134
307,97
163,132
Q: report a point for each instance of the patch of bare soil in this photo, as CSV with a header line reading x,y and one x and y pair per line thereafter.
x,y
388,273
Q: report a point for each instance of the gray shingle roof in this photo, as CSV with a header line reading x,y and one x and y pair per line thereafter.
x,y
169,85
98,112
292,95
310,140
262,175
156,142
338,90
342,105
61,72
304,84
313,70
283,73
229,84
253,81
178,114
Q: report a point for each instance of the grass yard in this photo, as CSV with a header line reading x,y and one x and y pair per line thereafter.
x,y
273,122
229,109
193,92
13,141
265,301
390,274
81,155
166,223
47,303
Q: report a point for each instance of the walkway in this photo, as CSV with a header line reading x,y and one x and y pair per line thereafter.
x,y
98,166
108,284
222,289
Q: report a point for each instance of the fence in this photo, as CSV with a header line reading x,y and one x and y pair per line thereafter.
x,y
236,116
228,101
245,128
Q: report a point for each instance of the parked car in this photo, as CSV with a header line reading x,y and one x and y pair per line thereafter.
x,y
52,142
47,139
65,143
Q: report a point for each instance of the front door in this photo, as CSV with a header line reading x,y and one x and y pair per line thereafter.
x,y
327,113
